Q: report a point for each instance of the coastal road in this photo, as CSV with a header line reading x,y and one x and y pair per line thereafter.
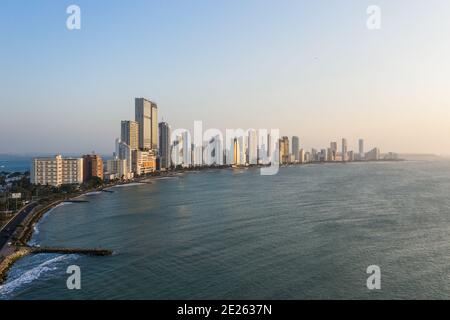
x,y
7,231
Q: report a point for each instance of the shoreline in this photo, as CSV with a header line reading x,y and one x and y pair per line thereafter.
x,y
28,228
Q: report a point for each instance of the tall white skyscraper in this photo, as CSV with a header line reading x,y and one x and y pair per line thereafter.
x,y
177,151
124,152
197,159
344,149
186,149
361,148
213,151
252,147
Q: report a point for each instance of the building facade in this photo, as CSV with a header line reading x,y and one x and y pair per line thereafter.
x,y
164,145
118,169
361,149
129,133
56,171
146,115
373,155
92,167
284,150
295,147
252,147
144,162
344,150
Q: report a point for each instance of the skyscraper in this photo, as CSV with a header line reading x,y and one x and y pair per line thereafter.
x,y
146,113
295,147
333,149
176,151
252,147
129,133
269,147
164,144
236,152
344,149
186,149
213,151
361,149
301,156
284,150
124,152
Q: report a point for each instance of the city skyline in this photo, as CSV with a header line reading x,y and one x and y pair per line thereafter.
x,y
320,79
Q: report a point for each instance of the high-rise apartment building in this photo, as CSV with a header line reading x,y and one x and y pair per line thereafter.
x,y
92,167
56,171
124,152
252,147
284,150
236,152
129,133
301,156
333,149
164,144
344,150
361,149
146,113
186,149
213,151
295,147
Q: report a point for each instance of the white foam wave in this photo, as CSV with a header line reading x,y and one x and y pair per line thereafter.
x,y
31,275
93,193
128,185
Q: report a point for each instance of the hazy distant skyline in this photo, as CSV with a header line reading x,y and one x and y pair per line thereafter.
x,y
310,68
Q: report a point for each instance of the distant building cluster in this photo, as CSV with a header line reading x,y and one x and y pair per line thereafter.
x,y
146,146
331,154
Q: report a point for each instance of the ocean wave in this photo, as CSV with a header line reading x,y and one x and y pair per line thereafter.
x,y
128,185
32,275
167,178
93,193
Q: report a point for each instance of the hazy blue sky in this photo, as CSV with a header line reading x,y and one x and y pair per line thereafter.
x,y
310,68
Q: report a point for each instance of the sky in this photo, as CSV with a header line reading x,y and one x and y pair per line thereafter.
x,y
310,68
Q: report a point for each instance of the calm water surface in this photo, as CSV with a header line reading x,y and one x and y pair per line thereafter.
x,y
309,232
